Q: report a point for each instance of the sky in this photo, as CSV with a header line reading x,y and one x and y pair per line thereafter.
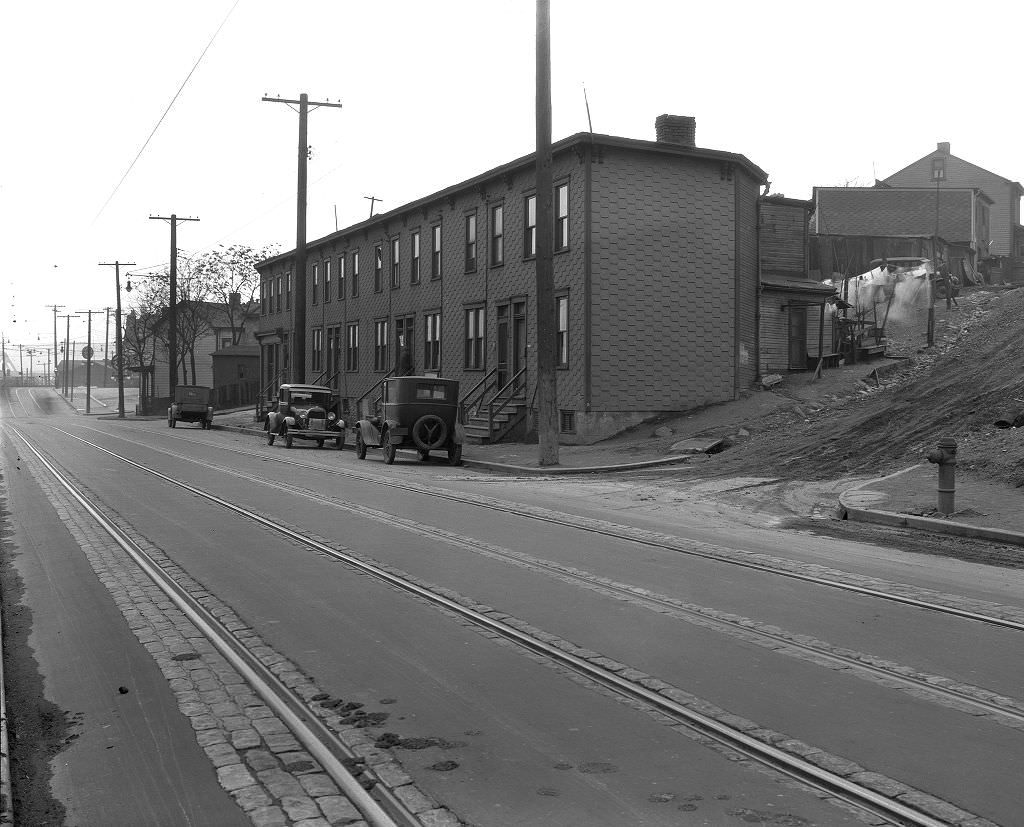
x,y
433,93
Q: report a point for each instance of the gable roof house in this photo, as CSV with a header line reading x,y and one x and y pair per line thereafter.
x,y
941,170
655,284
212,332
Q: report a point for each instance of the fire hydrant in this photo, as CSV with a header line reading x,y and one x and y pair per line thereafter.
x,y
945,458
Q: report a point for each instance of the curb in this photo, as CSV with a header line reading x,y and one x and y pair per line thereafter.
x,y
900,520
512,469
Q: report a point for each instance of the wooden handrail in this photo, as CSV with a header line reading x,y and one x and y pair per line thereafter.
x,y
510,387
479,389
261,396
372,389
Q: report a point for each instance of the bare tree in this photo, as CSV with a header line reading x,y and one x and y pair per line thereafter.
x,y
232,282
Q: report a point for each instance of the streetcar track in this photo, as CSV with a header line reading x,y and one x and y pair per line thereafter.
x,y
655,694
1010,617
382,808
937,687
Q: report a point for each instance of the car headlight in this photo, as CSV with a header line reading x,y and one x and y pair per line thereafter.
x,y
331,417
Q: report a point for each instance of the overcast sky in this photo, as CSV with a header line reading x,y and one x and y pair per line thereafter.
x,y
434,93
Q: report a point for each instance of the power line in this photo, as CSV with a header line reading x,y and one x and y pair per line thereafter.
x,y
164,115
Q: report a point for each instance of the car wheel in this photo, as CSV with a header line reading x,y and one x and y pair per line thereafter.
x,y
287,440
388,448
339,443
319,443
171,423
360,446
424,455
429,431
455,454
270,437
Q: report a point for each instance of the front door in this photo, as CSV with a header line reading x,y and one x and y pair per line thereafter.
x,y
518,337
797,338
502,366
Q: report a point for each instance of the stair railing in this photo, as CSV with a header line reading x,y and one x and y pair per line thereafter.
x,y
504,397
261,397
474,397
378,386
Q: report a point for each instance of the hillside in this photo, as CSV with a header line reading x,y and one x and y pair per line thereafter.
x,y
849,422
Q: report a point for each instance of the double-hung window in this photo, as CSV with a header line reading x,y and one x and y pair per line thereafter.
x,y
497,235
352,347
395,255
435,252
380,345
562,324
474,351
530,227
378,268
315,274
317,355
355,274
562,217
414,258
327,280
341,278
471,243
432,341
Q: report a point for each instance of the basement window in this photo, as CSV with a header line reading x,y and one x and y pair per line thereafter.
x,y
567,422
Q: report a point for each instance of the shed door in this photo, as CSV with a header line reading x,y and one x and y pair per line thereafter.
x,y
797,338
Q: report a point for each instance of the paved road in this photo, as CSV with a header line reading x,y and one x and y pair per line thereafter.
x,y
501,736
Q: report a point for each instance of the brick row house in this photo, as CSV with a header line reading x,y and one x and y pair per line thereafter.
x,y
655,279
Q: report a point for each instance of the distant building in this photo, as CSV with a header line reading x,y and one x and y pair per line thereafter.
x,y
958,215
655,278
942,170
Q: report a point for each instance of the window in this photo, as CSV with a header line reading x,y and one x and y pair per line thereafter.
x,y
355,274
317,355
414,258
497,235
474,355
380,345
938,169
378,268
225,341
341,277
562,326
567,422
352,347
395,255
432,341
288,291
435,253
406,345
263,296
530,228
315,275
562,217
471,243
327,280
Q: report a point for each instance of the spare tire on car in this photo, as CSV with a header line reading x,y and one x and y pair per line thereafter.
x,y
429,432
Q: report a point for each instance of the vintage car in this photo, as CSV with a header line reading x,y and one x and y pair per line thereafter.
x,y
421,410
305,412
192,403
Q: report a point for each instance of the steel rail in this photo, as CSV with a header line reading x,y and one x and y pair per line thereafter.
x,y
309,730
570,521
810,774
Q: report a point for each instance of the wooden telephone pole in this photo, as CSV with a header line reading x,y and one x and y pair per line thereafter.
x,y
547,394
117,332
172,310
298,337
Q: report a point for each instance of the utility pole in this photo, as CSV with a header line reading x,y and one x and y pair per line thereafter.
x,y
106,348
67,348
117,334
172,310
88,359
298,338
373,199
547,413
55,308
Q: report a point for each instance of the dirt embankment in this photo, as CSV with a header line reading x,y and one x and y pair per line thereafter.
x,y
850,421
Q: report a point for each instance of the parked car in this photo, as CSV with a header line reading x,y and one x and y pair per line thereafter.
x,y
421,410
305,412
192,403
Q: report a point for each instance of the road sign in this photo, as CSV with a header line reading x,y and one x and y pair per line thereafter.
x,y
87,352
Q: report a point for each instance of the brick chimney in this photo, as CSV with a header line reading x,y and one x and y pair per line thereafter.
x,y
943,147
676,129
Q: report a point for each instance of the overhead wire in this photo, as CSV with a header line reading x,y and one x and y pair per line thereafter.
x,y
166,111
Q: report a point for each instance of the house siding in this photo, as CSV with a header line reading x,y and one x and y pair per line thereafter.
x,y
663,284
748,281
